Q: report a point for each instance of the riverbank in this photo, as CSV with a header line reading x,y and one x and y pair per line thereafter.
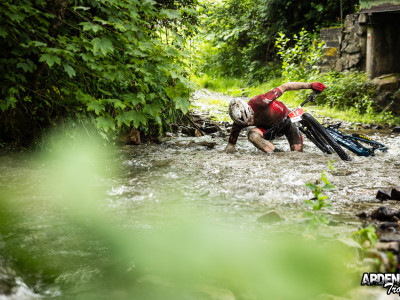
x,y
239,88
182,219
216,105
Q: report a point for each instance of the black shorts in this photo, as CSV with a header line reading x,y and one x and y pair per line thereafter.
x,y
286,128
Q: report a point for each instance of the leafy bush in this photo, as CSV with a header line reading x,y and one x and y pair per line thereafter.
x,y
366,237
239,35
122,63
300,61
348,89
320,201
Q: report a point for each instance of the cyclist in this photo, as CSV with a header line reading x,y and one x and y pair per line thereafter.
x,y
266,114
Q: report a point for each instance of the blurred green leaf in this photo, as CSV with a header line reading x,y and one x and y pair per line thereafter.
x,y
182,104
70,71
50,59
103,45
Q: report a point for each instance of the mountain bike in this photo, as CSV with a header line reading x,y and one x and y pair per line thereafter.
x,y
310,127
357,143
314,131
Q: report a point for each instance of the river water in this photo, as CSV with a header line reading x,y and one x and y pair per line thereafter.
x,y
148,187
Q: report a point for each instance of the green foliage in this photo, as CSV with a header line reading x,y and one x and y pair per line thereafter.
x,y
114,61
225,85
348,89
239,36
366,237
300,61
319,202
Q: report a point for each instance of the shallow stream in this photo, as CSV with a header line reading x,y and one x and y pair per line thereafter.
x,y
230,191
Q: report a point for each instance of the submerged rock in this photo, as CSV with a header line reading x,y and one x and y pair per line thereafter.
x,y
383,213
131,138
270,217
364,215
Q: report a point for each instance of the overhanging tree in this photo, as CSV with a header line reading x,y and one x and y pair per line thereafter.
x,y
119,63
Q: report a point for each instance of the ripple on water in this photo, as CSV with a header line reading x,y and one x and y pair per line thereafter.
x,y
196,176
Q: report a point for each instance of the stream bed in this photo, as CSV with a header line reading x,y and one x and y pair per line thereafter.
x,y
50,246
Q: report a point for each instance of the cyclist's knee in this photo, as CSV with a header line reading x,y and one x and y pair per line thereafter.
x,y
296,147
254,135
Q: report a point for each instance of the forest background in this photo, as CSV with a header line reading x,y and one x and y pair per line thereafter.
x,y
118,65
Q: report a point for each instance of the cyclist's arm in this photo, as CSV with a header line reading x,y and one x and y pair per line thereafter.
x,y
233,137
292,86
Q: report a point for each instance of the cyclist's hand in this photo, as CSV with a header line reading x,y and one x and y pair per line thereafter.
x,y
230,148
318,86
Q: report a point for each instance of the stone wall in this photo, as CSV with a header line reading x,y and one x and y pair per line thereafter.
x,y
345,48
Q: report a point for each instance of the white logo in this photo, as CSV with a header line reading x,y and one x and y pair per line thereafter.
x,y
267,101
386,280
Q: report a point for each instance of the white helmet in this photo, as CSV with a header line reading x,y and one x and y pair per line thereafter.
x,y
240,111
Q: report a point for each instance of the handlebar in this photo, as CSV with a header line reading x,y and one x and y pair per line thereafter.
x,y
310,98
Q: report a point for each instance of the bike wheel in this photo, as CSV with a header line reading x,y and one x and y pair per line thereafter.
x,y
314,137
320,130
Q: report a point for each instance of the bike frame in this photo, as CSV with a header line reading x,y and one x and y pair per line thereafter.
x,y
352,142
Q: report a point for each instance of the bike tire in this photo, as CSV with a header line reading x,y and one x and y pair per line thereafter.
x,y
316,139
317,128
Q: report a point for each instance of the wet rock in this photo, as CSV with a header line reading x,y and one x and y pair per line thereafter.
x,y
377,126
390,226
364,215
390,238
396,129
131,138
6,285
218,134
383,195
387,82
209,145
7,281
189,131
210,129
342,173
169,134
395,194
269,217
388,246
383,213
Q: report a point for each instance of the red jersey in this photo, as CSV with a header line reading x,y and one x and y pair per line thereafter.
x,y
267,112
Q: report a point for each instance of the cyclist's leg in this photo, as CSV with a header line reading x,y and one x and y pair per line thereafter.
x,y
255,136
294,137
